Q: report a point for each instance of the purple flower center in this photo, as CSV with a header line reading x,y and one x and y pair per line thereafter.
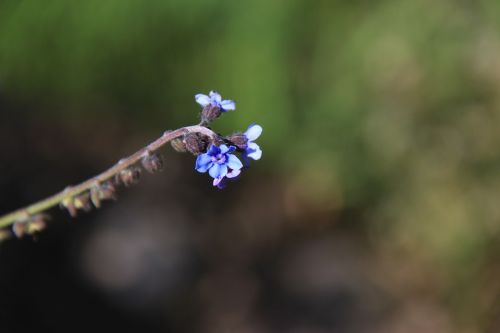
x,y
219,158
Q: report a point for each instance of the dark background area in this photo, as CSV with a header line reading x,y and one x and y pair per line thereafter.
x,y
375,207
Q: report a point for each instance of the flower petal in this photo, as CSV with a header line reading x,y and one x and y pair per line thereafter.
x,y
233,173
204,168
228,104
218,170
217,181
213,150
203,163
215,96
223,149
202,99
220,182
253,151
234,163
253,132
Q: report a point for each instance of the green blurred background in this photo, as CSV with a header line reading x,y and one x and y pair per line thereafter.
x,y
375,205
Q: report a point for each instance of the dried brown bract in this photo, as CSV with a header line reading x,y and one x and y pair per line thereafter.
x,y
195,143
30,225
152,162
129,176
101,192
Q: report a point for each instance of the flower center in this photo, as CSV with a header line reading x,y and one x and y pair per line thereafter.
x,y
219,158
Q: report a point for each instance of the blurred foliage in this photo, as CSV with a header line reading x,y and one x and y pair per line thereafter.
x,y
386,109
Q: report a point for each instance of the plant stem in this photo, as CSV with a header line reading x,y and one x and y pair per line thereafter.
x,y
123,164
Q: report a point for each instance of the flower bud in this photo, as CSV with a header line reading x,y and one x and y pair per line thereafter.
x,y
29,225
82,201
100,192
239,140
178,145
19,228
36,223
75,203
217,141
195,143
152,162
209,113
68,203
129,176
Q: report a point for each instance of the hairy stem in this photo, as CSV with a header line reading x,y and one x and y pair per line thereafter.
x,y
123,164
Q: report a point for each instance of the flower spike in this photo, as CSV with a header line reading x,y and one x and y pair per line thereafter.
x,y
216,155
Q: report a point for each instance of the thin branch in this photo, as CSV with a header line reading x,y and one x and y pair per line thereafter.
x,y
123,164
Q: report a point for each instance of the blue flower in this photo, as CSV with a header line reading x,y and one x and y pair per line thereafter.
x,y
252,149
215,99
220,163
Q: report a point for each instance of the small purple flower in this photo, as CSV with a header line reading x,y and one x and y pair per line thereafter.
x,y
215,99
252,150
220,163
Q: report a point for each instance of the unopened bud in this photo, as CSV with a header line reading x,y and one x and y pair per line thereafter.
x,y
36,224
19,228
217,141
29,225
152,162
75,203
100,192
178,145
209,113
82,201
239,140
129,176
68,203
195,143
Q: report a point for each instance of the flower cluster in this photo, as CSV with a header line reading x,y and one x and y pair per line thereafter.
x,y
216,155
219,159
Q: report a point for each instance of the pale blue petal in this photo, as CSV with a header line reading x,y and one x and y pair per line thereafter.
x,y
220,182
203,163
253,151
201,99
234,163
223,149
214,170
223,170
253,132
217,181
215,96
218,170
204,167
203,159
233,173
228,105
252,146
231,149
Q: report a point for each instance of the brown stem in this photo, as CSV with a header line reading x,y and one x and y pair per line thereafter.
x,y
123,164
